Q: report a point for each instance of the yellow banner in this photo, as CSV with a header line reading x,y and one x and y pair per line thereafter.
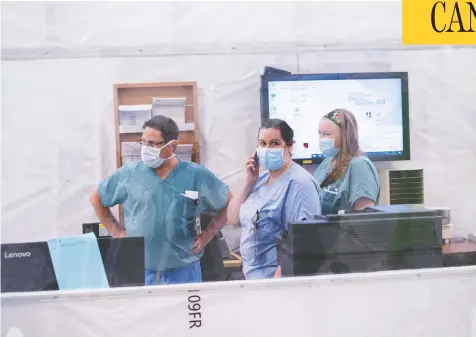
x,y
439,22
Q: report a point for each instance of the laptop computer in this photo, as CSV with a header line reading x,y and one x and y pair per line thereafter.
x,y
28,266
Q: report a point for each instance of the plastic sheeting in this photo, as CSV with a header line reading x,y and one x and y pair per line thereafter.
x,y
177,28
433,302
57,113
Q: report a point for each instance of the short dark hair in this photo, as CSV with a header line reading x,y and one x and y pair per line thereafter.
x,y
286,132
167,127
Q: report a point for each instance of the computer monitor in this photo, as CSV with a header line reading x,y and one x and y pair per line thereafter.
x,y
389,238
124,260
379,102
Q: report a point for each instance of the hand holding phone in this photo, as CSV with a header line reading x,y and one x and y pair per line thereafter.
x,y
252,169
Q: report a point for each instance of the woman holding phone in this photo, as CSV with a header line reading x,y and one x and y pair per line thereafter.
x,y
281,193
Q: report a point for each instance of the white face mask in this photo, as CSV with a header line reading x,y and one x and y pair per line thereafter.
x,y
151,156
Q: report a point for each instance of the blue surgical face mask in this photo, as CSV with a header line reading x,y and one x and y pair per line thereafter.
x,y
327,146
271,159
151,156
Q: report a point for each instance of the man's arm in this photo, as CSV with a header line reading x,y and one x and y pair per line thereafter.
x,y
111,192
104,215
221,218
216,224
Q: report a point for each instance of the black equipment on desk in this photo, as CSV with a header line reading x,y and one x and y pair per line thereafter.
x,y
28,266
211,262
97,228
124,260
378,238
215,253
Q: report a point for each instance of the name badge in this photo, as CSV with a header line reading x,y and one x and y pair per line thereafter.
x,y
331,190
198,225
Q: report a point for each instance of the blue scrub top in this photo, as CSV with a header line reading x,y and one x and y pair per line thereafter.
x,y
157,210
294,196
360,180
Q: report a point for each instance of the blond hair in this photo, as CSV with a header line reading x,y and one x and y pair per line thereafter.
x,y
349,148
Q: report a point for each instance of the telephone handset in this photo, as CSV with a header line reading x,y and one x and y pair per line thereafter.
x,y
256,160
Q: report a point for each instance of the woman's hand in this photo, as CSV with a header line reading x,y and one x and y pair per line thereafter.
x,y
252,172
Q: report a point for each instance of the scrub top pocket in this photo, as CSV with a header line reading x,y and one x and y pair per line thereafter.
x,y
189,215
180,214
266,223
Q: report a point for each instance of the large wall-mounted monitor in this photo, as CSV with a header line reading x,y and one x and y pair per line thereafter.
x,y
379,102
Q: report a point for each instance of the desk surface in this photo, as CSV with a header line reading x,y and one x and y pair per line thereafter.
x,y
233,263
459,247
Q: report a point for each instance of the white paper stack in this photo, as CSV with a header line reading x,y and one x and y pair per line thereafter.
x,y
134,114
130,152
184,152
172,107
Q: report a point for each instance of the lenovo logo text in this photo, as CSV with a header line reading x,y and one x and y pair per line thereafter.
x,y
17,255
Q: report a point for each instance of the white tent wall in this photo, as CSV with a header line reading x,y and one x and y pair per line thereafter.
x,y
432,302
197,27
60,61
